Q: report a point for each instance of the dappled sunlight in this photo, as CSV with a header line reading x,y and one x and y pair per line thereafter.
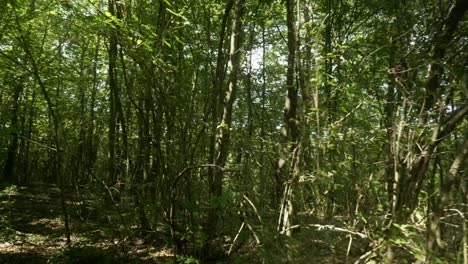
x,y
234,131
33,230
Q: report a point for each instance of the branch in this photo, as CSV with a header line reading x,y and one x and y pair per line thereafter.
x,y
368,255
235,238
15,61
254,208
327,227
38,143
442,41
452,121
181,174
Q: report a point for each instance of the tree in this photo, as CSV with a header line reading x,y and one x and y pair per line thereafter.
x,y
341,120
223,135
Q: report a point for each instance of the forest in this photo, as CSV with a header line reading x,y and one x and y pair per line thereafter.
x,y
233,131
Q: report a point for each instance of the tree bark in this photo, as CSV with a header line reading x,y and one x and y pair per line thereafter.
x,y
435,243
289,154
112,53
223,138
411,182
56,122
9,170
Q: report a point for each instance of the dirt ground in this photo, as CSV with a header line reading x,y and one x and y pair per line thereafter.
x,y
32,231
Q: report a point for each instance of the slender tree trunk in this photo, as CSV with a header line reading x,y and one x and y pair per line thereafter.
x,y
27,165
289,153
218,81
91,154
112,53
304,68
56,122
223,137
410,185
78,163
9,171
435,243
142,163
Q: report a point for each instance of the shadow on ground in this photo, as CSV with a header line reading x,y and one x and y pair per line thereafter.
x,y
32,231
20,258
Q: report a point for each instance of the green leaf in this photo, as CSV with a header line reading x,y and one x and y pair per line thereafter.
x,y
176,14
332,83
167,43
178,40
52,12
167,2
222,126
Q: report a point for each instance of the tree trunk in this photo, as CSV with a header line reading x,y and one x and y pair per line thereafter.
x,y
289,154
409,186
435,243
223,137
56,121
9,171
112,53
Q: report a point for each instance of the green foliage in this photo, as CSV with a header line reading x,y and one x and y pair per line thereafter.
x,y
7,189
82,255
187,260
361,123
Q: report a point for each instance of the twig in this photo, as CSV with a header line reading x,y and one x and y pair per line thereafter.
x,y
235,238
255,209
257,239
181,174
348,114
38,143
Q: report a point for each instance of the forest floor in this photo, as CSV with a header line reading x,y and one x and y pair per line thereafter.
x,y
32,231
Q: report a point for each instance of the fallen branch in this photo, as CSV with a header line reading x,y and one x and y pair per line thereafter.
x,y
326,227
368,255
235,238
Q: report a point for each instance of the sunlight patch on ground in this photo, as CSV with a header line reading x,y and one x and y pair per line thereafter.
x,y
53,223
150,253
32,227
